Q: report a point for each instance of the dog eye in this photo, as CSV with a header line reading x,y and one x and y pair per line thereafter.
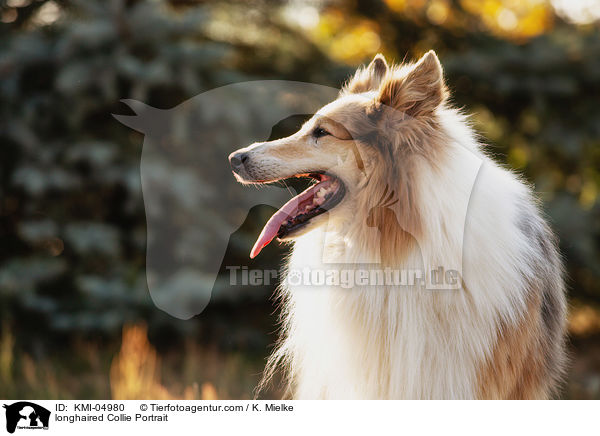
x,y
319,132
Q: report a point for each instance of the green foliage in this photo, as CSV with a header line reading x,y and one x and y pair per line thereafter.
x,y
72,256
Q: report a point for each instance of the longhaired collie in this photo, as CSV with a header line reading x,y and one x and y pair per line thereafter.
x,y
394,190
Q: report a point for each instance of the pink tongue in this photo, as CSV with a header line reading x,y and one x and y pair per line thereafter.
x,y
270,229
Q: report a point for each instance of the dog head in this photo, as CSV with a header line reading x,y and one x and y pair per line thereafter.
x,y
371,139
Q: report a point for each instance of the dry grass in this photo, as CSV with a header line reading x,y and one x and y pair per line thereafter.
x,y
134,369
135,372
7,343
139,372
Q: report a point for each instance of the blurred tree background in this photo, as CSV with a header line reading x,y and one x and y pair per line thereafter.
x,y
72,223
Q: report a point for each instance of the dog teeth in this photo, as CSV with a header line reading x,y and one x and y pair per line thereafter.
x,y
321,192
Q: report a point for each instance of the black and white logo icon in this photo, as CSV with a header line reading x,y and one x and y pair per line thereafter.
x,y
26,415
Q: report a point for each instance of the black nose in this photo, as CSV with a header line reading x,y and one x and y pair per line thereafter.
x,y
237,160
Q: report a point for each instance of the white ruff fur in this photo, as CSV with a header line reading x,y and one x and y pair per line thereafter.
x,y
411,343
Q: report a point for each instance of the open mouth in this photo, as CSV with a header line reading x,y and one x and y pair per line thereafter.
x,y
321,197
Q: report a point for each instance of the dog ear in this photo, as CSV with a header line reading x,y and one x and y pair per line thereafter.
x,y
378,68
368,79
420,91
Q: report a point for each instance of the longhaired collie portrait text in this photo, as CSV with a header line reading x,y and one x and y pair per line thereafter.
x,y
393,187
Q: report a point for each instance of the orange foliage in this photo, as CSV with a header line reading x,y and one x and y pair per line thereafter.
x,y
345,39
584,321
352,39
515,19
